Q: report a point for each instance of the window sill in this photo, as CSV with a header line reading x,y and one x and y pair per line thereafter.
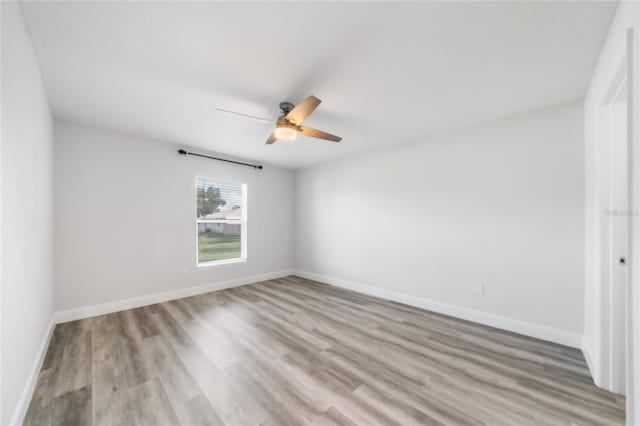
x,y
221,262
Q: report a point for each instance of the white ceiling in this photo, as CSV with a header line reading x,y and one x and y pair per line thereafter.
x,y
386,72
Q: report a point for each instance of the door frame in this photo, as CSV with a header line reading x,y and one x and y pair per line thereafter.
x,y
613,276
633,295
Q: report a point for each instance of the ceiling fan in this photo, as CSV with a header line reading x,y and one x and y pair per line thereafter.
x,y
288,125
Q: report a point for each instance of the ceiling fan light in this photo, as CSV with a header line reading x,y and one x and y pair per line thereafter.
x,y
285,133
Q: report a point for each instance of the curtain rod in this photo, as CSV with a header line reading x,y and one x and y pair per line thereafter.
x,y
255,166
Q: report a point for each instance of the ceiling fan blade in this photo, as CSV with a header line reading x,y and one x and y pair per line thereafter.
x,y
314,133
303,109
264,120
272,138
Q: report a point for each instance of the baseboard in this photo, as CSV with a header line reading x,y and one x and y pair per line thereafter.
x,y
505,323
135,302
588,357
25,397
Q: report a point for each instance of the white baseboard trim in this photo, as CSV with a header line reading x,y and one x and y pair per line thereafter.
x,y
588,357
25,397
526,328
135,302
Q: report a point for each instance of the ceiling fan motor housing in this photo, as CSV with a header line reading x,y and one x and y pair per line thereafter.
x,y
286,107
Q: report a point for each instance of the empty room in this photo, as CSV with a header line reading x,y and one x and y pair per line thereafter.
x,y
320,213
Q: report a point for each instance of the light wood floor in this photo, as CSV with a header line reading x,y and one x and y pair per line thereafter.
x,y
296,352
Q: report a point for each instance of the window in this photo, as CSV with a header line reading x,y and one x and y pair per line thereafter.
x,y
221,221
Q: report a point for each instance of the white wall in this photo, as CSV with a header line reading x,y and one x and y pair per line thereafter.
x,y
27,212
500,204
126,211
627,16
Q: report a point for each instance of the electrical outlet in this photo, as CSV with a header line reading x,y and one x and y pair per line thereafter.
x,y
478,288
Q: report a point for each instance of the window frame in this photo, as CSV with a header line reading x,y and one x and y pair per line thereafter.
x,y
243,224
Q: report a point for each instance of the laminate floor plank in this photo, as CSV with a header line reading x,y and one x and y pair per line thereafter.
x,y
333,417
74,408
292,351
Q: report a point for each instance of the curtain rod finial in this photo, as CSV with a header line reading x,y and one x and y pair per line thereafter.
x,y
182,151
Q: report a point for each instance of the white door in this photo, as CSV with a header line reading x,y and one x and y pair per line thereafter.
x,y
615,225
618,229
619,216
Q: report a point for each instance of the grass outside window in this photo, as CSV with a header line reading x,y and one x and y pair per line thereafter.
x,y
214,246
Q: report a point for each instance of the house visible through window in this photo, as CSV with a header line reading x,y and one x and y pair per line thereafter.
x,y
221,221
